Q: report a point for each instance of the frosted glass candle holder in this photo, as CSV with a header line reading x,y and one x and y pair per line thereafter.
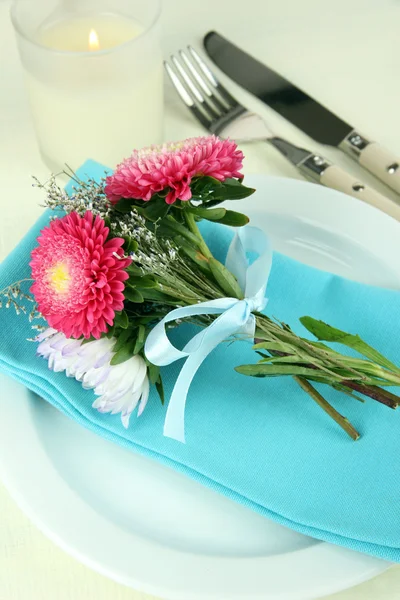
x,y
94,77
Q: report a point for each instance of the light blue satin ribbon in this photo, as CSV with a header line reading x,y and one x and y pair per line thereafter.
x,y
235,318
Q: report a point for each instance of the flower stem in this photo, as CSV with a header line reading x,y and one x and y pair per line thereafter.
x,y
324,404
192,226
380,395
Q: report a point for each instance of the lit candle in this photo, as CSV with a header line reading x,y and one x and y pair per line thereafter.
x,y
93,41
94,83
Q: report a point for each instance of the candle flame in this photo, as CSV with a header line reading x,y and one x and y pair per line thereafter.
x,y
93,40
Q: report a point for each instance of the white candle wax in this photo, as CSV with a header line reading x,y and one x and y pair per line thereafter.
x,y
74,35
97,94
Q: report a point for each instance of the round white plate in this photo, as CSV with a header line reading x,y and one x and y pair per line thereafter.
x,y
150,528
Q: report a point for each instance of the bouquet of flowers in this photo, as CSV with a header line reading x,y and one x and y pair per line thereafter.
x,y
123,261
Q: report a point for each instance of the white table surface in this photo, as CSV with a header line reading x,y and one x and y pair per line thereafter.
x,y
345,53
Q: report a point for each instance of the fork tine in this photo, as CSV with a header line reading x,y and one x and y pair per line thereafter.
x,y
194,90
204,119
231,101
213,99
178,86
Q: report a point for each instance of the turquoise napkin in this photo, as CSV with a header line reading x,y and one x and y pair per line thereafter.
x,y
263,443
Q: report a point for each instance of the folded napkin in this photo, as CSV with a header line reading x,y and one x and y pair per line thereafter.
x,y
261,442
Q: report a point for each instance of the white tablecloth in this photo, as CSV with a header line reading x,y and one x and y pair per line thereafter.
x,y
345,53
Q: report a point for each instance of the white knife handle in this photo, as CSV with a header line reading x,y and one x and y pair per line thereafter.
x,y
336,178
379,161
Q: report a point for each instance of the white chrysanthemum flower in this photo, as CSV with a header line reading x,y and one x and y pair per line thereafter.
x,y
120,387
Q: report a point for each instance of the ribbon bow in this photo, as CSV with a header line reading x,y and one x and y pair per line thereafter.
x,y
235,318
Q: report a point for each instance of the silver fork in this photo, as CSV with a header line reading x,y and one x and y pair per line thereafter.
x,y
220,113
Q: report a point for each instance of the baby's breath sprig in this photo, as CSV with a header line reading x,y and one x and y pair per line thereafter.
x,y
14,296
85,196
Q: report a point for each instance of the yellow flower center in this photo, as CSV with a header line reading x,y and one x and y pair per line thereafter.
x,y
59,277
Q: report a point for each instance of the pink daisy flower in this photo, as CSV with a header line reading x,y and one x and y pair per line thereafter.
x,y
172,166
78,275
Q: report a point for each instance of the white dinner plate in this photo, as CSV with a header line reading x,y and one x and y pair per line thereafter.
x,y
144,525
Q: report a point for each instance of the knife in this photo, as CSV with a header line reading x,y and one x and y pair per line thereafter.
x,y
219,112
300,109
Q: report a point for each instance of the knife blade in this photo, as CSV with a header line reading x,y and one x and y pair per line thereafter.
x,y
300,109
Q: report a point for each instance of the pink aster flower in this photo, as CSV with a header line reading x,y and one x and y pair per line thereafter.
x,y
172,166
78,275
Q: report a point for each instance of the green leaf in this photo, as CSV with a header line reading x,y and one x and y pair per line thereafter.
x,y
234,219
149,318
212,192
125,205
160,389
178,213
130,245
110,331
144,282
163,193
262,354
204,187
122,355
121,320
156,209
325,332
154,373
156,295
122,339
140,339
293,358
169,227
274,345
211,214
195,255
267,370
133,295
233,189
213,202
237,189
133,270
225,279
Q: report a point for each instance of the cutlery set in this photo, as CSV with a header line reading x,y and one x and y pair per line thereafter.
x,y
220,113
